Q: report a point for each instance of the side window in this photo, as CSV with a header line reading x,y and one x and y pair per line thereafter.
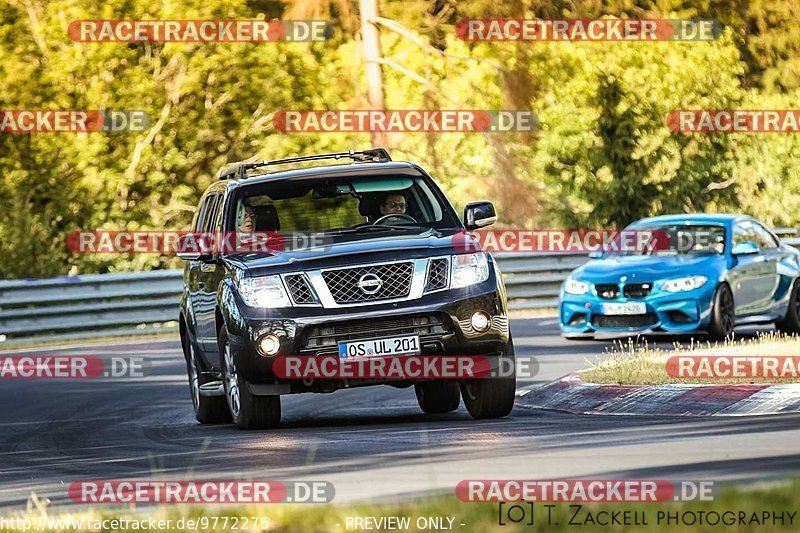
x,y
746,232
200,216
766,239
211,220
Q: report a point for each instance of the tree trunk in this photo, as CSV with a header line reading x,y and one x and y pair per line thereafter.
x,y
372,53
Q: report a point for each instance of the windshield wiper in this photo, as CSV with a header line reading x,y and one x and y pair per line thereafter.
x,y
365,229
372,227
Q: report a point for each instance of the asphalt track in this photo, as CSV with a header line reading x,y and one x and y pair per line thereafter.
x,y
372,443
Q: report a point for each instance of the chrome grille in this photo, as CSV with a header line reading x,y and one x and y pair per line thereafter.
x,y
395,282
299,289
438,274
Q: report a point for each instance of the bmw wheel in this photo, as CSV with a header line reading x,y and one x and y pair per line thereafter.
x,y
723,313
791,322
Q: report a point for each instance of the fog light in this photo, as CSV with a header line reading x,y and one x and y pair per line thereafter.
x,y
480,321
269,345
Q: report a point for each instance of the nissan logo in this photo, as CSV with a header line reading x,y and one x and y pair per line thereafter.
x,y
369,283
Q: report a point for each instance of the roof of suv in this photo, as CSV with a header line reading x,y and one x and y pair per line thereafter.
x,y
392,167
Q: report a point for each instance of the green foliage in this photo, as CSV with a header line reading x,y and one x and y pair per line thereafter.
x,y
606,153
603,155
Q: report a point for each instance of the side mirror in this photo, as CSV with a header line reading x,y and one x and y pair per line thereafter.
x,y
194,247
479,214
745,248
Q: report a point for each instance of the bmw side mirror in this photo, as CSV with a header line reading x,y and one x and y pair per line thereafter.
x,y
745,248
479,214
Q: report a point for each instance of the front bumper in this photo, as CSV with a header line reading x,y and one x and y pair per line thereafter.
x,y
672,312
441,319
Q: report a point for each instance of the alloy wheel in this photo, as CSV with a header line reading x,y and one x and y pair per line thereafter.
x,y
194,379
231,383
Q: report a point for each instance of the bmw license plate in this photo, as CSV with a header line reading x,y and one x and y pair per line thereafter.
x,y
626,308
379,347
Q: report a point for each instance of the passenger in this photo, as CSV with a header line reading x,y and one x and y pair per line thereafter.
x,y
247,220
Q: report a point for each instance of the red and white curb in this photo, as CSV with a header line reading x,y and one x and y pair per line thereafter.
x,y
573,395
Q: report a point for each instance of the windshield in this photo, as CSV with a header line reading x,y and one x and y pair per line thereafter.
x,y
676,239
342,205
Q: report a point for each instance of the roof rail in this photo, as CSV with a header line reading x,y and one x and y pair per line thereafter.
x,y
372,155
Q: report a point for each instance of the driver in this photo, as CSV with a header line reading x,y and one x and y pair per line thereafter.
x,y
394,203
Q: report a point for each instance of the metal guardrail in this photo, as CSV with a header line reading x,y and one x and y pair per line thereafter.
x,y
135,303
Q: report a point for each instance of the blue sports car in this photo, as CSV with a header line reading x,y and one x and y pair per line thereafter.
x,y
717,272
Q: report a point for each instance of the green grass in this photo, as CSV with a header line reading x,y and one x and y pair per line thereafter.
x,y
483,517
629,364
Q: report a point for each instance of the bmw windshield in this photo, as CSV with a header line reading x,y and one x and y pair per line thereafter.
x,y
671,239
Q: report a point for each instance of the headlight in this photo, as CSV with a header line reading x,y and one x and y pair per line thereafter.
x,y
266,291
684,284
573,286
468,269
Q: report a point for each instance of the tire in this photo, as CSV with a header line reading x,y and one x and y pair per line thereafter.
x,y
491,397
791,322
436,397
247,410
723,313
207,409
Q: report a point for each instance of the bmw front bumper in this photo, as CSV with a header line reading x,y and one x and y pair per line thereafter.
x,y
672,312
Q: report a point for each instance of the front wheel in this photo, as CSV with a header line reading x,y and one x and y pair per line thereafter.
x,y
723,313
491,397
438,396
791,322
248,411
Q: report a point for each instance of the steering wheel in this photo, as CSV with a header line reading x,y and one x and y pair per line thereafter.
x,y
395,215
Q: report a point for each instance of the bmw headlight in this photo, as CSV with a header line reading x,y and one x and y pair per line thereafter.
x,y
573,286
264,291
684,284
468,269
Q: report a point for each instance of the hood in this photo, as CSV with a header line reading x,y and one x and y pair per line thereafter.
x,y
649,268
369,248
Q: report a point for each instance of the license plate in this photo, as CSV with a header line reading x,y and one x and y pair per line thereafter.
x,y
379,347
627,308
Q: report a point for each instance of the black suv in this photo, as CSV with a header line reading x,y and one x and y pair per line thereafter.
x,y
392,265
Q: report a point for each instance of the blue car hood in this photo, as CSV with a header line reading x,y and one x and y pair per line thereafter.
x,y
648,268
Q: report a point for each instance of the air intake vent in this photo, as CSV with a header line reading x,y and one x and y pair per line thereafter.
x,y
438,274
299,289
